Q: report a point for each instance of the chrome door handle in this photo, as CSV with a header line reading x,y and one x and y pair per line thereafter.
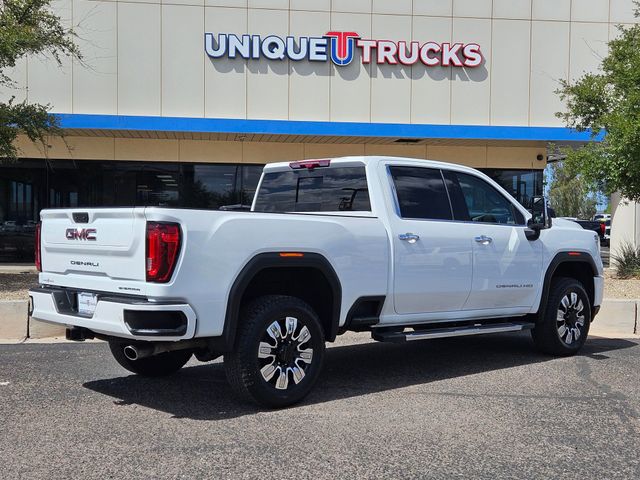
x,y
483,239
409,237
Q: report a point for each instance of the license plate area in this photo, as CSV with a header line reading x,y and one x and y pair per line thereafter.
x,y
86,302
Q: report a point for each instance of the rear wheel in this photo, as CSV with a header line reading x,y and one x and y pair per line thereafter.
x,y
278,352
565,325
155,366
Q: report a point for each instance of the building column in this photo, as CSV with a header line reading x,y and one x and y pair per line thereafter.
x,y
625,222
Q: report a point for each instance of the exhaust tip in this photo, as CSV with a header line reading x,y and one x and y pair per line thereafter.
x,y
131,352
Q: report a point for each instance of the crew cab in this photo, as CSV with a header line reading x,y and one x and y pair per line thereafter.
x,y
404,249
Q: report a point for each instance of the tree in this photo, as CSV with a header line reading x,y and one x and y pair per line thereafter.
x,y
28,27
609,102
569,194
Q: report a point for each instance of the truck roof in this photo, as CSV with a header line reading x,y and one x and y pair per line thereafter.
x,y
368,160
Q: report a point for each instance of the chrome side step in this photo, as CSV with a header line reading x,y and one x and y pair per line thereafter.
x,y
477,329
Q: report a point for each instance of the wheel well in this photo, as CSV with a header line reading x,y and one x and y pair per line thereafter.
x,y
308,284
307,276
581,271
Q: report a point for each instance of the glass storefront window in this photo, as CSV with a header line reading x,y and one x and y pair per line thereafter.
x,y
30,185
249,183
523,185
209,186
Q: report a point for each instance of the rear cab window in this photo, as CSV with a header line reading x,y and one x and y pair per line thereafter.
x,y
325,189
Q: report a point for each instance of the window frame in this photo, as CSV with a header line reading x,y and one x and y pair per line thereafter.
x,y
499,193
369,213
396,200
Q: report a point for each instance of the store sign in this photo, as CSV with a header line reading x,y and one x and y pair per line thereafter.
x,y
340,48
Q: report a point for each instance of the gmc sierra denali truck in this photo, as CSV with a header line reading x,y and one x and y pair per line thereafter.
x,y
404,249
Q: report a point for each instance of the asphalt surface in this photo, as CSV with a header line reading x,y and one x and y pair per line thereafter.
x,y
476,407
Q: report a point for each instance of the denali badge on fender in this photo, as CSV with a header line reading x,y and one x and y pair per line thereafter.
x,y
81,234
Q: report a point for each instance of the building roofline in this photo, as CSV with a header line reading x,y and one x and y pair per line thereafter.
x,y
77,121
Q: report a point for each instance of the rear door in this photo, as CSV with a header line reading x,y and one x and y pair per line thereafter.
x,y
507,267
89,246
432,254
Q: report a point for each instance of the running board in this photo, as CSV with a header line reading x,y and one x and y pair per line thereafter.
x,y
401,337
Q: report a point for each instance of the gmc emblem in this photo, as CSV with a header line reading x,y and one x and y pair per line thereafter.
x,y
81,234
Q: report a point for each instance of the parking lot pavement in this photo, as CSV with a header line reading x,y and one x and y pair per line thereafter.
x,y
483,407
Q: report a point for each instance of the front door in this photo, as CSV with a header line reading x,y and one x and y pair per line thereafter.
x,y
507,267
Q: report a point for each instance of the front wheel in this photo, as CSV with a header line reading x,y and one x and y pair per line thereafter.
x,y
155,366
564,327
278,352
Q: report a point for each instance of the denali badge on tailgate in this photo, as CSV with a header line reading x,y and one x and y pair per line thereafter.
x,y
81,234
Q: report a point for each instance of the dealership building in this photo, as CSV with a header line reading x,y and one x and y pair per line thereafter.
x,y
181,102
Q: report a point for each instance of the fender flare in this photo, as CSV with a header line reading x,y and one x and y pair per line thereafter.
x,y
573,256
260,262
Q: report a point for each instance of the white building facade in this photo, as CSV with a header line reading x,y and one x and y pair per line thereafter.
x,y
180,102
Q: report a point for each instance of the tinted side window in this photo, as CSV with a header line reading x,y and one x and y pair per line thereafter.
x,y
481,202
421,193
340,189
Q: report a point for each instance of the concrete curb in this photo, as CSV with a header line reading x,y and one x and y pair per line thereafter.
x,y
15,324
617,318
14,319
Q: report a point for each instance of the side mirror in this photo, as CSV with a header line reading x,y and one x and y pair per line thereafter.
x,y
540,218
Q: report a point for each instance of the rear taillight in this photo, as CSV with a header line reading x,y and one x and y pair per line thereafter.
x,y
163,248
603,228
38,255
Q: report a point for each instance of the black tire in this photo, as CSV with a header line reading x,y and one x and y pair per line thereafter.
x,y
549,334
244,366
154,366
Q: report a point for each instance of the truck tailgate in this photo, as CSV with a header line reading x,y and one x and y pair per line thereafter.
x,y
94,249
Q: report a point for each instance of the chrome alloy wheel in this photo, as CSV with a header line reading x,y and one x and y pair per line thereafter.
x,y
282,352
570,320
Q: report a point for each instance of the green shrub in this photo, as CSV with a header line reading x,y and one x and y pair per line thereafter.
x,y
627,261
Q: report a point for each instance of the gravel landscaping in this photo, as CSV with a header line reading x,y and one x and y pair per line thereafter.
x,y
14,286
619,288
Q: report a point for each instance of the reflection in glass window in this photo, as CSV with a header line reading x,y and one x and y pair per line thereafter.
x,y
484,203
341,189
249,183
523,185
421,193
208,186
158,186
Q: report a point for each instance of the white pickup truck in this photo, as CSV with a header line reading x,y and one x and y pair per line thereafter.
x,y
404,249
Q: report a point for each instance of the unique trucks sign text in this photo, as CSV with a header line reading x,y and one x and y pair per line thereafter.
x,y
340,47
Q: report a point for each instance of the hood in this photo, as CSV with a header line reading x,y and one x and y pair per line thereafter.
x,y
563,223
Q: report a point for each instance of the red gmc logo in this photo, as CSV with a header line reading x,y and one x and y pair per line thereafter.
x,y
81,234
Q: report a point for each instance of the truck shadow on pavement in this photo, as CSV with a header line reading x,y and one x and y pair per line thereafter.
x,y
201,392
